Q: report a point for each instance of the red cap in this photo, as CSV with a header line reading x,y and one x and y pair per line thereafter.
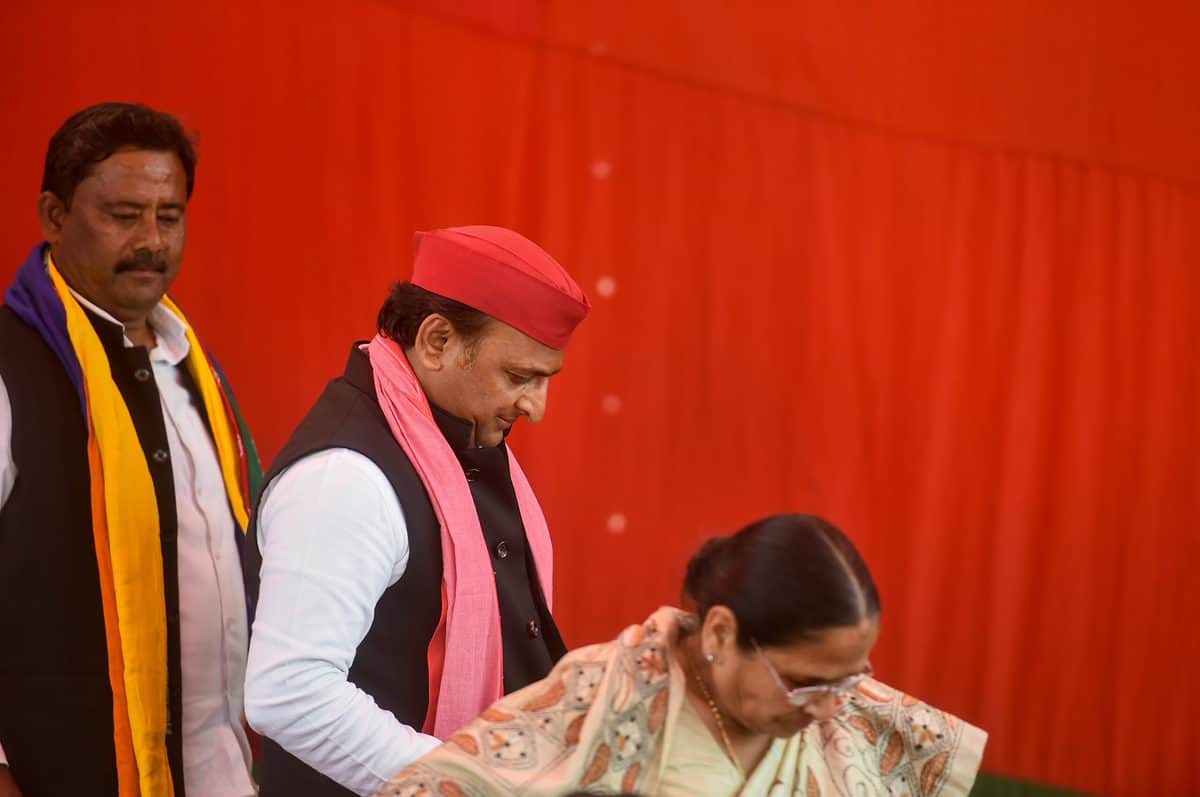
x,y
503,274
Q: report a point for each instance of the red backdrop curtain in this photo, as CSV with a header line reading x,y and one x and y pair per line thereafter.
x,y
929,272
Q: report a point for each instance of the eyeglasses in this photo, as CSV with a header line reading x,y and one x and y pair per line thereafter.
x,y
803,695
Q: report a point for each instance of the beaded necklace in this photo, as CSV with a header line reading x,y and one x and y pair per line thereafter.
x,y
716,712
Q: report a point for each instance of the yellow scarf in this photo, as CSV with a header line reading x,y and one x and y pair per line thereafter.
x,y
126,530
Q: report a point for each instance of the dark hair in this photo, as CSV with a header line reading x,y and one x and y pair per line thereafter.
x,y
408,305
784,578
95,133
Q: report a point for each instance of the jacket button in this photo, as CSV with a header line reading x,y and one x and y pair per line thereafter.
x,y
142,374
502,549
472,475
534,629
160,456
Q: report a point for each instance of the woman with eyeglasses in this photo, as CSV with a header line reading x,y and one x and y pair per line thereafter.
x,y
765,688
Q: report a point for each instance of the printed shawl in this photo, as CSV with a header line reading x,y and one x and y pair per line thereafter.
x,y
604,721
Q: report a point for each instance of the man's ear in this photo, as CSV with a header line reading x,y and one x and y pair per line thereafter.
x,y
433,341
51,212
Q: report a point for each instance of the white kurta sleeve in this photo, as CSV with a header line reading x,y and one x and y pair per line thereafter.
x,y
8,469
8,473
333,538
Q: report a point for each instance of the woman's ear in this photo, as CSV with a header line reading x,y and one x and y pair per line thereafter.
x,y
719,633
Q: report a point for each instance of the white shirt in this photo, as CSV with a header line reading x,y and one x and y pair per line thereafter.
x,y
333,539
212,603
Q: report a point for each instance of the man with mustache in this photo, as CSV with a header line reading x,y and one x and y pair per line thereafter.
x,y
125,474
404,577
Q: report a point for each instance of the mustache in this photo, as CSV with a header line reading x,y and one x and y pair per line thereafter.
x,y
142,260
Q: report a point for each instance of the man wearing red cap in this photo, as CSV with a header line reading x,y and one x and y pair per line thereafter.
x,y
400,565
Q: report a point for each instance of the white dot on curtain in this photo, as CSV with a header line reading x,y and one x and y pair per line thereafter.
x,y
617,523
601,169
606,286
611,404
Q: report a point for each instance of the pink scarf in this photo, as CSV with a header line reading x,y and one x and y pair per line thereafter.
x,y
466,656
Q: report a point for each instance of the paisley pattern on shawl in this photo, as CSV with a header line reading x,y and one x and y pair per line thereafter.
x,y
602,721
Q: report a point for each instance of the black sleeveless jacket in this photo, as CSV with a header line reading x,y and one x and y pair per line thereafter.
x,y
391,662
55,700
